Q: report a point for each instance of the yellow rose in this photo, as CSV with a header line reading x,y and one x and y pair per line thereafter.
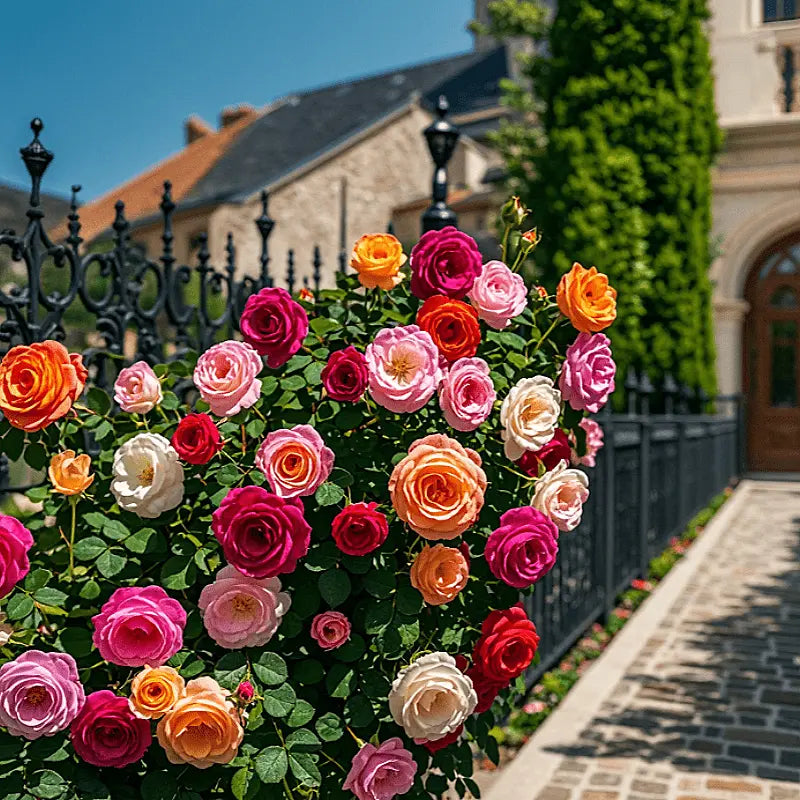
x,y
69,473
155,691
377,258
202,728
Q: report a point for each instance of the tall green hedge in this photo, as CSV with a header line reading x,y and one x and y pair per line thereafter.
x,y
611,146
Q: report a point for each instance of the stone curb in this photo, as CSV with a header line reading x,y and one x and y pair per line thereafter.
x,y
534,765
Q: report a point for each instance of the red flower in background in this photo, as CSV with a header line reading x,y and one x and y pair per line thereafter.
x,y
197,439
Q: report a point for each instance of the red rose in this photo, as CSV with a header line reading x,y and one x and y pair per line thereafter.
x,y
197,439
507,645
556,450
452,325
485,688
345,375
439,744
359,529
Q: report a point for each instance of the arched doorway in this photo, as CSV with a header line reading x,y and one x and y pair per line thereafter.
x,y
772,358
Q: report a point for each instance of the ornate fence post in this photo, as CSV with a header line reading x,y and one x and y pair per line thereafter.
x,y
683,487
265,224
290,271
645,430
441,137
317,273
631,388
670,390
608,523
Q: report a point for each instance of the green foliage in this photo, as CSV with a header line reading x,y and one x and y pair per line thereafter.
x,y
611,142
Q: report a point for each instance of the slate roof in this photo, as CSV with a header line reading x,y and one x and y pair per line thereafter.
x,y
306,125
14,204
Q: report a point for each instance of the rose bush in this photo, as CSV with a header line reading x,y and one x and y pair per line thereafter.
x,y
291,566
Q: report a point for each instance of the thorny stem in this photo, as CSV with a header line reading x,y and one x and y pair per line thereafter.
x,y
73,501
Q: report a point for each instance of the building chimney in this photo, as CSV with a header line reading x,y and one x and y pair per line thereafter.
x,y
232,114
195,128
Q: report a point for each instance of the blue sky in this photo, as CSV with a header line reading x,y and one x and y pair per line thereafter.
x,y
114,82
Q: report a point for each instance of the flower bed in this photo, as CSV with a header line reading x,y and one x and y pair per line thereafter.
x,y
292,565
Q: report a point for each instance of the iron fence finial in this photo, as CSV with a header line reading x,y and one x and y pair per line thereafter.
x,y
442,137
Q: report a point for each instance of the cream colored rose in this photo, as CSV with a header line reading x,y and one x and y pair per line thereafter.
x,y
560,495
148,477
432,697
529,415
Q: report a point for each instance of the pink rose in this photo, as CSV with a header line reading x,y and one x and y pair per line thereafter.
x,y
560,494
226,376
523,549
15,541
245,691
137,389
466,394
404,369
139,626
40,694
499,295
242,612
594,443
381,773
345,375
444,262
330,629
587,375
261,534
274,324
553,453
294,461
106,733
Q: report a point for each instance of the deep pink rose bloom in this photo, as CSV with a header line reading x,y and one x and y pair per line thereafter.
x,y
15,541
444,262
330,629
226,376
359,529
587,376
139,626
466,394
261,534
106,733
345,375
499,295
137,389
245,691
381,773
555,451
40,694
404,368
594,443
274,324
295,461
524,548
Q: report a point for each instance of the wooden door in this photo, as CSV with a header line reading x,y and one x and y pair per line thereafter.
x,y
772,360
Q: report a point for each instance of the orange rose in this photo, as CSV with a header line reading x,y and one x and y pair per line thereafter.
x,y
437,489
69,473
155,691
202,728
39,383
452,325
439,573
377,258
584,296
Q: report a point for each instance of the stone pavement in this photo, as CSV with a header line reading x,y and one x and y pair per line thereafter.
x,y
699,695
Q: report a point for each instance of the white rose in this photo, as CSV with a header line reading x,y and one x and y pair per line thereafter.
x,y
560,495
6,630
529,415
432,697
148,477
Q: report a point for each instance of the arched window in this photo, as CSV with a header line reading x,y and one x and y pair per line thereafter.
x,y
776,10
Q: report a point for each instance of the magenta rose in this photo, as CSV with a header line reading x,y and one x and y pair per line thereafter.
x,y
466,394
106,733
345,375
594,443
40,694
381,773
15,541
587,376
261,534
524,548
139,626
444,262
330,629
274,324
555,451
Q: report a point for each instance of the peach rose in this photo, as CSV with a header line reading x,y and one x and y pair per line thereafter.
x,y
202,728
437,489
377,258
439,573
295,461
154,691
39,383
586,299
69,473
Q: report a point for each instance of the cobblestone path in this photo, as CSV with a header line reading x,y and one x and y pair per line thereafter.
x,y
709,705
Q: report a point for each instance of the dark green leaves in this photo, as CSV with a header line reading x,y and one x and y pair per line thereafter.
x,y
271,764
330,727
334,586
271,669
280,701
329,494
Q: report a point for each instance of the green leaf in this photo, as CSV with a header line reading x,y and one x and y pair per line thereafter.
x,y
19,606
334,586
146,540
115,529
308,672
89,548
358,711
375,684
49,785
409,632
379,615
380,583
302,740
271,764
303,766
111,563
271,669
178,573
38,494
159,785
14,443
294,383
37,579
330,727
340,680
230,670
170,401
349,417
228,474
35,455
76,641
90,590
240,782
323,325
280,701
329,494
256,428
95,519
302,713
409,600
98,400
352,649
50,597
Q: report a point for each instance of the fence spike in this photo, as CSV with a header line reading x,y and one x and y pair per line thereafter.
x,y
265,224
37,158
290,271
670,389
317,271
74,239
